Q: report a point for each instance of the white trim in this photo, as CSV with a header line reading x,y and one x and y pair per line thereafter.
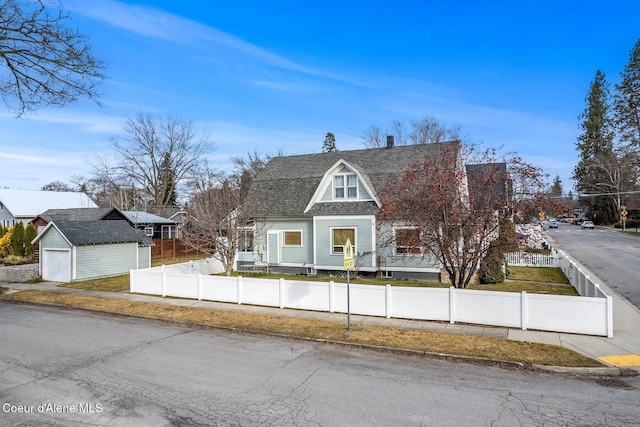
x,y
44,261
327,181
275,233
51,224
343,227
421,249
284,240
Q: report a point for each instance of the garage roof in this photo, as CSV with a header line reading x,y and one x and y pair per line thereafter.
x,y
79,233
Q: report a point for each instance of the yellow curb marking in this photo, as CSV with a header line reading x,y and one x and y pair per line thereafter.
x,y
623,360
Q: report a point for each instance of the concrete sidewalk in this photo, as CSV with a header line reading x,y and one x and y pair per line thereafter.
x,y
621,351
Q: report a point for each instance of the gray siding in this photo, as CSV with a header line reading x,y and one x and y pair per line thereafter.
x,y
144,257
391,262
289,254
105,260
53,239
363,246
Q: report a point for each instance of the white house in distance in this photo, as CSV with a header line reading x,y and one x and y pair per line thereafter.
x,y
25,205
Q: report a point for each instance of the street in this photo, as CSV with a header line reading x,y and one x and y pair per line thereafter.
x,y
63,367
611,255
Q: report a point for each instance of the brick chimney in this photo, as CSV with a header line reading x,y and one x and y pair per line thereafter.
x,y
389,141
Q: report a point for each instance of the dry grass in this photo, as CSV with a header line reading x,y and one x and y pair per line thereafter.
x,y
423,341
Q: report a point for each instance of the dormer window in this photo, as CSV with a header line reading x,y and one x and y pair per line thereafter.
x,y
345,186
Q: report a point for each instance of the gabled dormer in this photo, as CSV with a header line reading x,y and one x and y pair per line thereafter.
x,y
343,183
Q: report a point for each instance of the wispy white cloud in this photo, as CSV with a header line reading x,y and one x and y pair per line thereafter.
x,y
95,123
35,159
155,23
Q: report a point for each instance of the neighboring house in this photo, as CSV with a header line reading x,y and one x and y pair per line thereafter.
x,y
310,205
154,226
77,214
25,205
79,250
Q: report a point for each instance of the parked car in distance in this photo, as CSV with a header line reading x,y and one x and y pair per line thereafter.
x,y
587,224
553,223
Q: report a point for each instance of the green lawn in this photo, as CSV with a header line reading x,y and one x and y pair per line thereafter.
x,y
539,280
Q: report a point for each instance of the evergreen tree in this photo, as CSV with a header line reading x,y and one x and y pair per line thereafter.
x,y
167,182
29,234
627,101
329,143
595,147
556,188
17,239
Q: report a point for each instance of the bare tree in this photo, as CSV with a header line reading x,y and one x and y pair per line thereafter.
x,y
57,186
219,222
427,130
45,62
373,137
154,157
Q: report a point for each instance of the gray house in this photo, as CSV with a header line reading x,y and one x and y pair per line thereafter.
x,y
25,205
79,250
311,205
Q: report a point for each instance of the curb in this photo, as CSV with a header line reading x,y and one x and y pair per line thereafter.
x,y
507,364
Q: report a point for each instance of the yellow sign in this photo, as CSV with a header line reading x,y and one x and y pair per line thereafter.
x,y
348,256
624,212
348,250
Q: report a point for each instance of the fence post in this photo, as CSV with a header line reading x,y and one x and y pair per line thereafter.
x,y
164,283
239,289
131,280
609,317
332,293
452,304
523,309
199,287
387,304
281,291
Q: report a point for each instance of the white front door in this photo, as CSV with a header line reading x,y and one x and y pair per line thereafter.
x,y
273,246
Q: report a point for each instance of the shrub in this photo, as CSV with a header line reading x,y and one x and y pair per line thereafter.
x,y
5,242
29,234
491,266
17,240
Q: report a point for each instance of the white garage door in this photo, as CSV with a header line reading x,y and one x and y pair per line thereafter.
x,y
56,266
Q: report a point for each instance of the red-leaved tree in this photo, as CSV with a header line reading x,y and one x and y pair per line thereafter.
x,y
456,209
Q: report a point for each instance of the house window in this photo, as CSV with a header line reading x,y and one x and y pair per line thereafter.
x,y
245,241
345,186
339,237
407,241
168,232
148,231
292,238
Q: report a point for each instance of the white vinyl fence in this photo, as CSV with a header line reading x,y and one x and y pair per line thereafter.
x,y
591,315
529,259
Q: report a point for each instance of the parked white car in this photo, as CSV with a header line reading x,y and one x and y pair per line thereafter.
x,y
587,225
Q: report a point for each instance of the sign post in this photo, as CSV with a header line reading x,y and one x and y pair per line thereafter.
x,y
624,214
348,265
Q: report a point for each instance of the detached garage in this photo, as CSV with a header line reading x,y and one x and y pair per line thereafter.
x,y
80,250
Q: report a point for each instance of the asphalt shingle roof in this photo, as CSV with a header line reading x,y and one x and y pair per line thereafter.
x,y
286,184
99,232
79,214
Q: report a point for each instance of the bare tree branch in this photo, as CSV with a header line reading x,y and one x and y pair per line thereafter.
x,y
45,63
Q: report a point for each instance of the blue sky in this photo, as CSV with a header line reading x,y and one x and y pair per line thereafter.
x,y
270,75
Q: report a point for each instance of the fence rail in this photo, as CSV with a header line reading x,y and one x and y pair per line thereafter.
x,y
530,259
591,315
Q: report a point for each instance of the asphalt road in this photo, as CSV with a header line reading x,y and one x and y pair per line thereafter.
x,y
611,255
73,368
